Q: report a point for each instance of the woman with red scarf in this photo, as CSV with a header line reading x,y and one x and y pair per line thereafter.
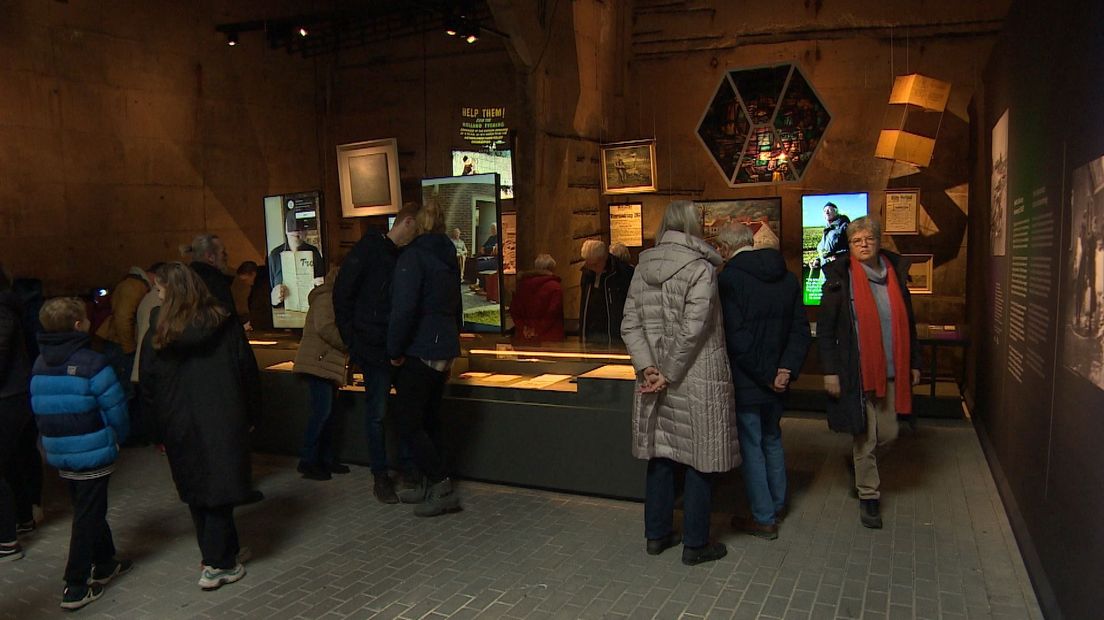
x,y
867,337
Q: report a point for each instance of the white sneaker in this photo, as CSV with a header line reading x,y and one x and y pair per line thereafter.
x,y
211,578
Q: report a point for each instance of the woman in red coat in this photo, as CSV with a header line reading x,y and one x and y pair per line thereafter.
x,y
537,308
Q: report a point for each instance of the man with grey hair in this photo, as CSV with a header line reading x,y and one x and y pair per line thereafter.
x,y
604,286
209,261
767,337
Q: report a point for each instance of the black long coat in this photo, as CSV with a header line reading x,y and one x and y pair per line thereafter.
x,y
205,391
839,345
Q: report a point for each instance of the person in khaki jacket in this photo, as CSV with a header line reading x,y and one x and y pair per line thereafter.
x,y
684,410
322,358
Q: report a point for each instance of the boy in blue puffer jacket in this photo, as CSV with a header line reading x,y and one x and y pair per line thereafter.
x,y
81,412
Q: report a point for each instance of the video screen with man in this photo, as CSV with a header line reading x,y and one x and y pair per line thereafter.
x,y
824,221
294,247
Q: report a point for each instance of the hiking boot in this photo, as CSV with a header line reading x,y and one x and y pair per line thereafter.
x,y
339,468
414,494
102,574
754,528
311,471
870,513
657,546
440,499
11,551
700,555
211,578
75,597
384,489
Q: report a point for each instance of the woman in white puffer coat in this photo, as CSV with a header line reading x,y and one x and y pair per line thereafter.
x,y
684,411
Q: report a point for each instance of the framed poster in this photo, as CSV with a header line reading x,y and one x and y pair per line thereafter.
x,y
627,224
824,221
920,273
368,175
998,189
762,215
293,244
902,212
470,205
628,167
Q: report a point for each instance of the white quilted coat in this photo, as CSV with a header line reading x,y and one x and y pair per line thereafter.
x,y
673,322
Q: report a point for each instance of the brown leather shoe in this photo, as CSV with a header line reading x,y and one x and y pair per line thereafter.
x,y
750,526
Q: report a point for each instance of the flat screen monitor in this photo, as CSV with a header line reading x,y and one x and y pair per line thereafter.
x,y
470,205
824,220
294,254
467,163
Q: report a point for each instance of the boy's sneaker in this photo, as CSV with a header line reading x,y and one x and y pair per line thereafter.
x,y
25,529
214,578
11,551
105,573
75,597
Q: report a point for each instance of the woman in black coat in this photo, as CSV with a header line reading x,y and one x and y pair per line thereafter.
x,y
200,377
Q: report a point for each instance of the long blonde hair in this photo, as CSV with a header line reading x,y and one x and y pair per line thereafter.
x,y
187,302
683,216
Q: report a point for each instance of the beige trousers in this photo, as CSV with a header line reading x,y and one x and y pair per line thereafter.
x,y
881,430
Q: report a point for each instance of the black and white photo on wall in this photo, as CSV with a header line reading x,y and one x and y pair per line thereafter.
x,y
1083,320
368,177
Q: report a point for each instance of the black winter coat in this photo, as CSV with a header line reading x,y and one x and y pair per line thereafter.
x,y
426,309
765,323
15,365
204,391
218,283
839,345
362,298
601,310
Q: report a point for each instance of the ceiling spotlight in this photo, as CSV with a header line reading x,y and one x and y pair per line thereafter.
x,y
232,38
303,31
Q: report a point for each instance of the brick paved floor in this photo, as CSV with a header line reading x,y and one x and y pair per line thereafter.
x,y
328,550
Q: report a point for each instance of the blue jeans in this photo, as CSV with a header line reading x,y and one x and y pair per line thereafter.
x,y
659,503
318,439
764,465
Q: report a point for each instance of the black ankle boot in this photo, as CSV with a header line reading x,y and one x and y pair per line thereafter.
x,y
870,513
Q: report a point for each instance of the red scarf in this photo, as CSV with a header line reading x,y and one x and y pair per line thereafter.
x,y
872,359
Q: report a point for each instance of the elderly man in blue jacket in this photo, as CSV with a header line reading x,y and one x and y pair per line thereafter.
x,y
81,411
767,337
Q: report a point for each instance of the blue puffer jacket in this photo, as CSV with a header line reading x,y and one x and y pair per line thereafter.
x,y
78,403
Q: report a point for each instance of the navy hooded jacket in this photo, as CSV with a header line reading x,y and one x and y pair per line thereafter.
x,y
426,310
80,408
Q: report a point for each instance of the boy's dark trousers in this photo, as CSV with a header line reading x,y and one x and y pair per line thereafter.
x,y
90,542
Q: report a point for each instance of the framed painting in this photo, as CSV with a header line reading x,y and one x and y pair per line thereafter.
x,y
628,167
902,212
368,176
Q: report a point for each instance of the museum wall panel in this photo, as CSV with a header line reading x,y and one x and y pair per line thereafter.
x,y
128,127
1035,293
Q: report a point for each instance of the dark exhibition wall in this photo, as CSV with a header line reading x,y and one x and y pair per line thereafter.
x,y
1036,264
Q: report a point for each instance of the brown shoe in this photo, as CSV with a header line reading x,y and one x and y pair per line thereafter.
x,y
384,490
750,526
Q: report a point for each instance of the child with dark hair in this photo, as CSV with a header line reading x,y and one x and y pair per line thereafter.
x,y
81,411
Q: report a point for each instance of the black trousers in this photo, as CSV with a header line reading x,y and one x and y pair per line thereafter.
x,y
25,475
217,535
418,393
15,417
90,541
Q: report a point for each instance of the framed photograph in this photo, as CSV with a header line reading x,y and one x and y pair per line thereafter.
x,y
628,167
902,212
762,215
920,273
368,175
627,224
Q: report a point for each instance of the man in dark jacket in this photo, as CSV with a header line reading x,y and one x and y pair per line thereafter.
x,y
422,339
604,286
209,261
866,332
362,308
15,418
767,337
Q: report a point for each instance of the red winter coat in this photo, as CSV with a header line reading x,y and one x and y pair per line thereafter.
x,y
537,308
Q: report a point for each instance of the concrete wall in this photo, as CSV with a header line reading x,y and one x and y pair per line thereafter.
x,y
127,127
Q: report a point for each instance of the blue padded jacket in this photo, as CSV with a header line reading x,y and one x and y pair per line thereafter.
x,y
80,408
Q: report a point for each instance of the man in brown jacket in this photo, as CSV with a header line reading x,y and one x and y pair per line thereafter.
x,y
121,328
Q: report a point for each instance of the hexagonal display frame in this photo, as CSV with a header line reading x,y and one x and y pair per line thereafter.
x,y
763,125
